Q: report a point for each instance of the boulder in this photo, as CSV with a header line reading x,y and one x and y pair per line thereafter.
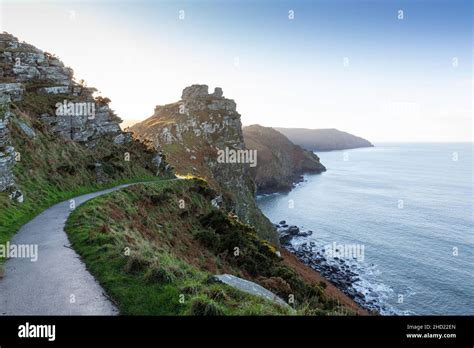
x,y
305,234
29,132
285,238
249,287
14,90
293,230
54,90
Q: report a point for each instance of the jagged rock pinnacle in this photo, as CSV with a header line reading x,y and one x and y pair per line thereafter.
x,y
200,91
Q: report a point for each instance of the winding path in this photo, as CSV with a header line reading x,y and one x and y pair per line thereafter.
x,y
58,283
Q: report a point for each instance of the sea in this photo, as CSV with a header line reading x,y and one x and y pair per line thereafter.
x,y
410,209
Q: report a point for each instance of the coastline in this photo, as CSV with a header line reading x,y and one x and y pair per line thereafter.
x,y
339,274
338,284
310,262
315,277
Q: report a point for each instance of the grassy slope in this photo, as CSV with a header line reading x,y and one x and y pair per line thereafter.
x,y
204,154
149,252
52,169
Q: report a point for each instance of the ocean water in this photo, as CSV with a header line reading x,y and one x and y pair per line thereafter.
x,y
410,206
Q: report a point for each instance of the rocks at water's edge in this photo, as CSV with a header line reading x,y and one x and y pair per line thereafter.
x,y
286,233
336,270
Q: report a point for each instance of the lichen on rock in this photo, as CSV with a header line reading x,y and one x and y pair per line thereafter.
x,y
191,131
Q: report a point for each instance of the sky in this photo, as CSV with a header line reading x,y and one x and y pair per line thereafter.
x,y
359,66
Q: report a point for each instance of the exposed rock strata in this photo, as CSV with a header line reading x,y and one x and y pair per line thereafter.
x,y
38,94
191,132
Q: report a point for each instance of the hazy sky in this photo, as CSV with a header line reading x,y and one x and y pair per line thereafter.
x,y
351,65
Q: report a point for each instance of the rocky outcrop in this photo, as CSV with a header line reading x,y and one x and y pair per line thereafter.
x,y
323,139
192,133
7,152
249,287
43,107
40,80
280,162
7,158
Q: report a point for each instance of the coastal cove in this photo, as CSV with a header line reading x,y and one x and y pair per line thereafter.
x,y
407,206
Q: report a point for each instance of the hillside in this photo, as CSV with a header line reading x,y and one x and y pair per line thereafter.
x,y
323,139
280,162
48,154
156,256
148,244
191,133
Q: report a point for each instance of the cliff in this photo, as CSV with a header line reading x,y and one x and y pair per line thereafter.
x,y
175,268
280,162
56,138
201,135
323,139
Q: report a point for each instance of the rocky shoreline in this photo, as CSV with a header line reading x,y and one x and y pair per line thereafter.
x,y
341,272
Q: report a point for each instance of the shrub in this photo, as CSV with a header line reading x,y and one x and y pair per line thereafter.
x,y
203,306
209,239
277,285
161,275
135,264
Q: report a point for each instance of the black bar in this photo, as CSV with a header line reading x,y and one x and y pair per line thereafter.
x,y
241,330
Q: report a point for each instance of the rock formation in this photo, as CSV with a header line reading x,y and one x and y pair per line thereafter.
x,y
280,162
7,152
46,99
27,72
191,133
323,139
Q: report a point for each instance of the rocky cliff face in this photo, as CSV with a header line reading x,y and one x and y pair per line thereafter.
x,y
7,152
192,133
323,139
34,77
280,162
41,106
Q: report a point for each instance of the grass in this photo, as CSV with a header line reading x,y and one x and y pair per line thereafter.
x,y
149,252
52,169
194,155
14,215
140,271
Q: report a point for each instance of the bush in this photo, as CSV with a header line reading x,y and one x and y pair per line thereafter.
x,y
276,285
135,264
203,306
164,271
209,239
160,275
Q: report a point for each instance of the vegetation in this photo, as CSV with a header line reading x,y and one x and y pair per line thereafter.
x,y
155,246
51,169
